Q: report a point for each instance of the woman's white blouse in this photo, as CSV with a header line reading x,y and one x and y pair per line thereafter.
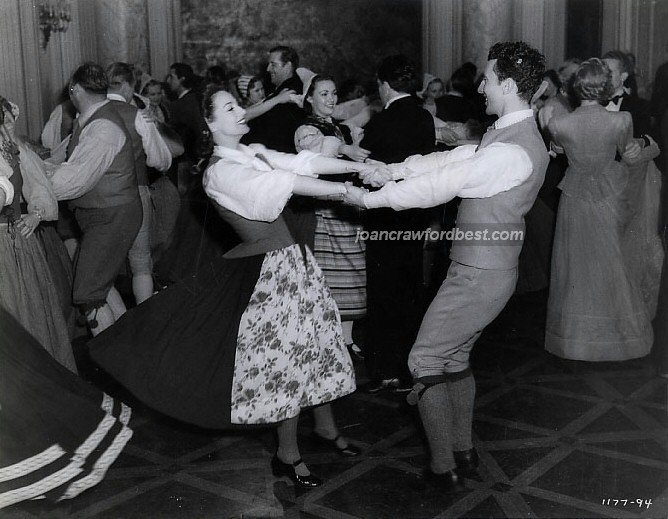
x,y
254,181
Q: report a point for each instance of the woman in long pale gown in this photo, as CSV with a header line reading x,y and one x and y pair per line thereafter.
x,y
595,308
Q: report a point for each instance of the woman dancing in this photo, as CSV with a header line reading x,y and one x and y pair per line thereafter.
x,y
338,250
595,309
256,336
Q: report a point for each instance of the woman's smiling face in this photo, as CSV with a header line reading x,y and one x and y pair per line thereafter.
x,y
324,98
228,117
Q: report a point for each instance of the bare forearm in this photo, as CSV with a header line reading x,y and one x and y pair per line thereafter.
x,y
309,186
261,108
322,165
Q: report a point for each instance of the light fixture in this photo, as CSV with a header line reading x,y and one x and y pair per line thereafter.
x,y
54,16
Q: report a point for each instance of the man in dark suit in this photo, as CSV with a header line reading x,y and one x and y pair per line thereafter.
x,y
186,119
198,234
276,128
394,266
625,97
455,105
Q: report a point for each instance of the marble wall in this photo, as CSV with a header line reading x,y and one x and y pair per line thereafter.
x,y
344,38
485,22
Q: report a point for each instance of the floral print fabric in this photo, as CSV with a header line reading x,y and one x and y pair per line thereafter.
x,y
290,349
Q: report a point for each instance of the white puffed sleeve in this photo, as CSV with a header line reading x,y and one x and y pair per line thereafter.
x,y
248,191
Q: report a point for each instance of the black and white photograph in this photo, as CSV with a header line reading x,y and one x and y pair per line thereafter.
x,y
333,259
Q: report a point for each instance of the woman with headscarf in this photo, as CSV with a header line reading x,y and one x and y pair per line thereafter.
x,y
28,288
338,249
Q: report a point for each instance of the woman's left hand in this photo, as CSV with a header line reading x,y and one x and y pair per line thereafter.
x,y
27,224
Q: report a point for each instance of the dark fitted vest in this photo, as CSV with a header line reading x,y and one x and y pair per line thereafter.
x,y
118,185
129,113
504,211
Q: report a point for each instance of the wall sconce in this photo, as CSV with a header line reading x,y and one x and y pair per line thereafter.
x,y
54,16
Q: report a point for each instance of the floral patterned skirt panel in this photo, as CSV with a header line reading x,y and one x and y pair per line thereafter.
x,y
290,349
244,341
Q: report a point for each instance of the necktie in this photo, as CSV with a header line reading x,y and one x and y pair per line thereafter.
x,y
76,129
616,99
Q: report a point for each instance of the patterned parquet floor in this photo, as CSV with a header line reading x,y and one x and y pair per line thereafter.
x,y
556,439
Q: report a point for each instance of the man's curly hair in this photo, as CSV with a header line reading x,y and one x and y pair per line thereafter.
x,y
520,62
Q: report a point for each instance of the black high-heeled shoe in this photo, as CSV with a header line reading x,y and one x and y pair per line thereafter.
x,y
349,451
280,468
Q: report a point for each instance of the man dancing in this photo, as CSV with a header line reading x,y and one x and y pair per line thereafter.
x,y
498,182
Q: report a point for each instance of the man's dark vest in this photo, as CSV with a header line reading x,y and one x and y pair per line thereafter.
x,y
129,113
118,185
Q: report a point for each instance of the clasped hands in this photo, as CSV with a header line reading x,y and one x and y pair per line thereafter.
x,y
376,174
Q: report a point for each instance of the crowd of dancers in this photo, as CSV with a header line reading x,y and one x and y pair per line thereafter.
x,y
236,217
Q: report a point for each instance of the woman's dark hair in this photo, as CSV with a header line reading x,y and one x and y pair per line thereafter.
x,y
251,84
521,63
593,81
552,75
399,72
318,78
91,77
207,98
216,74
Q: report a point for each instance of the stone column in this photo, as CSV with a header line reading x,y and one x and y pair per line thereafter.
x,y
554,33
122,29
441,37
485,23
164,32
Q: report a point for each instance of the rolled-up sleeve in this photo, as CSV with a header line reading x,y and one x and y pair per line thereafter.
x,y
157,152
99,143
308,137
253,194
299,163
487,172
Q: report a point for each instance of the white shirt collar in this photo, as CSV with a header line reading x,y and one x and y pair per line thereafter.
x,y
184,93
400,96
512,118
84,116
241,154
116,97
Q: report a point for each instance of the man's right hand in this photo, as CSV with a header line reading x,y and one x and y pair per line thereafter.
x,y
376,177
